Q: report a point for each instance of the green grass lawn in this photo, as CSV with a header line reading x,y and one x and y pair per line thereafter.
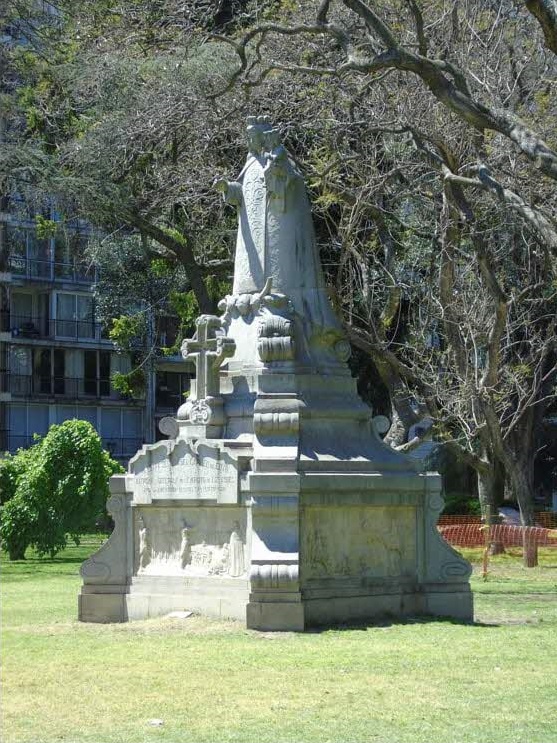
x,y
438,681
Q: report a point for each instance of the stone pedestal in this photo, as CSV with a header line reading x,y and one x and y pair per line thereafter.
x,y
280,551
276,503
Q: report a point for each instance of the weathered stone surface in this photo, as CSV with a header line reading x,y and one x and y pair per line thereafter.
x,y
365,542
194,541
181,470
275,501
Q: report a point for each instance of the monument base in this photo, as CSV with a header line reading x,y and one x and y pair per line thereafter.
x,y
276,501
348,608
156,596
281,551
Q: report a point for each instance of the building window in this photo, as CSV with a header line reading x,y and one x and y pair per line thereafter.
x,y
20,368
71,372
74,316
29,256
69,264
96,365
119,428
121,431
172,388
24,421
22,308
29,315
59,369
90,372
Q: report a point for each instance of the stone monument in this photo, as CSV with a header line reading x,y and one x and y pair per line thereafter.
x,y
275,500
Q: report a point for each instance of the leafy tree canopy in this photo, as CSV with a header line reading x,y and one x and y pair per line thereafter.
x,y
427,134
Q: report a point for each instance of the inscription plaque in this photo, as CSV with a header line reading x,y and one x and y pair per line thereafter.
x,y
181,473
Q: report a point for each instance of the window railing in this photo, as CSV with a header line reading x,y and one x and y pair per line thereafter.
x,y
168,399
48,270
119,448
26,326
32,385
13,442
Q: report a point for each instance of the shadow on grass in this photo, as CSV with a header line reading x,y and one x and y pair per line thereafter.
x,y
32,568
72,554
386,623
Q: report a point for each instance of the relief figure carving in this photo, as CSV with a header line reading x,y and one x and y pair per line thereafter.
x,y
145,547
220,560
237,560
185,548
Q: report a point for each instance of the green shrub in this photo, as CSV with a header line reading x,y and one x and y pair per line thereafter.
x,y
461,504
12,466
60,492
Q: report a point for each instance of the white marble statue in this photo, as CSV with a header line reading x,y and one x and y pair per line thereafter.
x,y
274,212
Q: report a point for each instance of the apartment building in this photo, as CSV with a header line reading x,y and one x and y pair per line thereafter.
x,y
56,360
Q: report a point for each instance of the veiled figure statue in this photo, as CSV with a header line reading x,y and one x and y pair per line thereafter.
x,y
275,232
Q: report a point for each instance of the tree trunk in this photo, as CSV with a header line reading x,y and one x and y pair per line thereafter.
x,y
17,551
487,483
521,481
184,254
529,549
150,387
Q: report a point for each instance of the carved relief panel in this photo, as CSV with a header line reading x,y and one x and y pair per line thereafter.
x,y
191,542
359,542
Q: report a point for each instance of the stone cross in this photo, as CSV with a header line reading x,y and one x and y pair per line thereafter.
x,y
208,351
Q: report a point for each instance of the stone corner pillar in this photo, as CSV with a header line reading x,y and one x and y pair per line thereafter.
x,y
107,573
443,573
275,601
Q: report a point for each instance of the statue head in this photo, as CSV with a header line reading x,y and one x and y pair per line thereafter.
x,y
271,139
257,126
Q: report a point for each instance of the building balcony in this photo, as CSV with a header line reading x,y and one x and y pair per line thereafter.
x,y
167,399
121,448
48,270
74,388
118,448
38,328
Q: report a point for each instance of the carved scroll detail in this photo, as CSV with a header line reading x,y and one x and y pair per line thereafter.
x,y
266,424
200,412
276,339
109,564
445,563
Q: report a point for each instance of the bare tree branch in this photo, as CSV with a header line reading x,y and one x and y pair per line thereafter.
x,y
184,255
